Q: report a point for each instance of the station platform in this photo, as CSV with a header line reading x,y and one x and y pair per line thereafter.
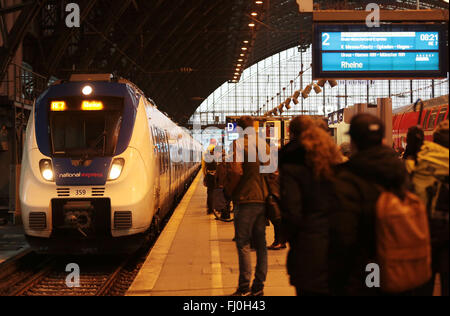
x,y
195,256
12,241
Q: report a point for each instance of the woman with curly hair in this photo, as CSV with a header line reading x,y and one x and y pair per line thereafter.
x,y
306,174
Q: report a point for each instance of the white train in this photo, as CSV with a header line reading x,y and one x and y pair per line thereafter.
x,y
99,169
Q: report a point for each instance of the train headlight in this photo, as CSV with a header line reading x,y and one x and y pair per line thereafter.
x,y
45,165
116,169
87,90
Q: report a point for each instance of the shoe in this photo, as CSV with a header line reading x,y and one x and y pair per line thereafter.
x,y
257,293
241,293
277,246
209,212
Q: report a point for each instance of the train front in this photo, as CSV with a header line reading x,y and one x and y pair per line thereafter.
x,y
75,154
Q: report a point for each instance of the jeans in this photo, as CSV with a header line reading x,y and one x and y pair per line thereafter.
x,y
250,224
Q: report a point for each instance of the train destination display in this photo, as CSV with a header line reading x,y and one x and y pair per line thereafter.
x,y
355,51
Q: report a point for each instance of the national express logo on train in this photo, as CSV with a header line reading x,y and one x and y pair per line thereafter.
x,y
80,175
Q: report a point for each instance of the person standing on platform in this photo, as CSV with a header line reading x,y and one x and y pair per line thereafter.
x,y
430,178
249,195
273,180
209,167
372,170
222,174
306,173
414,141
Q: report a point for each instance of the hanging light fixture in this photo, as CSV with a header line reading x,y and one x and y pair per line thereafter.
x,y
317,89
288,103
333,83
306,91
321,82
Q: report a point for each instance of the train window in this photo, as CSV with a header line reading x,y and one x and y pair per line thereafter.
x,y
157,139
163,151
432,119
425,120
442,114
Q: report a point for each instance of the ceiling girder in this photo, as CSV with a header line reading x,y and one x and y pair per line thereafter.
x,y
14,38
97,44
64,39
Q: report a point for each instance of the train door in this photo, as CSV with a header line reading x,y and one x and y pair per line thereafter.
x,y
157,161
443,114
164,174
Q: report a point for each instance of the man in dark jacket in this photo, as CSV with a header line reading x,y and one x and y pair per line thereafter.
x,y
372,169
249,194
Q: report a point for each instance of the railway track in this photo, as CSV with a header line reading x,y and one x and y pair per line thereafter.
x,y
30,274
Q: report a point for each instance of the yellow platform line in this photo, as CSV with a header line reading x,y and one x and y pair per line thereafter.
x,y
148,276
216,265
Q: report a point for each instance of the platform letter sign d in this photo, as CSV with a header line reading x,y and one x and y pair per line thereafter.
x,y
373,19
373,279
73,279
73,18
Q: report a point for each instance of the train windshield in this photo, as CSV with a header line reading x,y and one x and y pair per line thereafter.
x,y
85,129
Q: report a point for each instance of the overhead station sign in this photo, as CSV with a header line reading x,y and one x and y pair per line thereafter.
x,y
391,51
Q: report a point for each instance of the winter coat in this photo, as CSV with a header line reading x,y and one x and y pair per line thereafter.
x,y
245,180
430,179
306,204
358,186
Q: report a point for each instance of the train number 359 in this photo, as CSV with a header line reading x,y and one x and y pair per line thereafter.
x,y
80,192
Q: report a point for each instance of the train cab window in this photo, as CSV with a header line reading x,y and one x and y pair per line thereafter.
x,y
432,120
76,133
442,114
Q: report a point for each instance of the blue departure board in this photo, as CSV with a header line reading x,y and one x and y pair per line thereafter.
x,y
400,51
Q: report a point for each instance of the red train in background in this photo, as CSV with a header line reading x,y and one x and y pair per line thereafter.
x,y
434,112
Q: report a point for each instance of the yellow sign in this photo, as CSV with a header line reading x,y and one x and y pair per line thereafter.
x,y
58,106
92,106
